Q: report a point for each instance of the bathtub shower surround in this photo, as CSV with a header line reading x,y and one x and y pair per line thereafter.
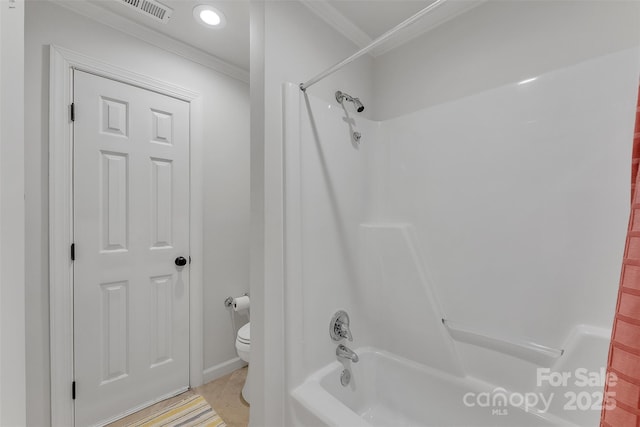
x,y
502,212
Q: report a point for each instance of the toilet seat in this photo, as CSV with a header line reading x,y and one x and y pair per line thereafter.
x,y
244,334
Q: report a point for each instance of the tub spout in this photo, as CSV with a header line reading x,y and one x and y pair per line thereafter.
x,y
344,352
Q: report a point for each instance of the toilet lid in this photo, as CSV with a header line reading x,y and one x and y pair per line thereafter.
x,y
244,334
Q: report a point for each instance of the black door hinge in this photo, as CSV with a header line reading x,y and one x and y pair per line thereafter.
x,y
73,390
73,252
73,112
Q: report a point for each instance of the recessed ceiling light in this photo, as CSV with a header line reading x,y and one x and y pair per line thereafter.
x,y
209,16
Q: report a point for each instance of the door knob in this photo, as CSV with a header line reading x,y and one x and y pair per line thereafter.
x,y
181,261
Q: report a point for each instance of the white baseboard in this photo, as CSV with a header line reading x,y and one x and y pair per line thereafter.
x,y
222,369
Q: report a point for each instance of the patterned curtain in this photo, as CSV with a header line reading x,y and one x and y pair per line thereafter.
x,y
621,407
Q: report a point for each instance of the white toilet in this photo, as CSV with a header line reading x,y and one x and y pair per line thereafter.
x,y
243,346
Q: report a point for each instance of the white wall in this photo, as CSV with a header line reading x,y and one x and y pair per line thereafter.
x,y
497,43
226,178
289,44
12,254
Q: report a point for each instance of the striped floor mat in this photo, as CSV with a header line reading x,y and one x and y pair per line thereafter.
x,y
194,411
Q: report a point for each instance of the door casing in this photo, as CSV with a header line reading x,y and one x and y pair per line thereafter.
x,y
62,64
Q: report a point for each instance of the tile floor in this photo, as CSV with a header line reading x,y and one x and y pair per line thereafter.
x,y
222,394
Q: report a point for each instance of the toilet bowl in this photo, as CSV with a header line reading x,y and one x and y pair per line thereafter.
x,y
243,347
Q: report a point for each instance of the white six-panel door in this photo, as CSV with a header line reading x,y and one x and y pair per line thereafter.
x,y
131,222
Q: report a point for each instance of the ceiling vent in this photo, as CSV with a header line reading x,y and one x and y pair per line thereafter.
x,y
150,8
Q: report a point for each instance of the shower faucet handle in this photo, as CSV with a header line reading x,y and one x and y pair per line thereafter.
x,y
339,326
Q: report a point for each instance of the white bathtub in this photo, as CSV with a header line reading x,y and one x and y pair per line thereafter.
x,y
386,390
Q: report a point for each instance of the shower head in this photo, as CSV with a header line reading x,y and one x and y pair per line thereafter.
x,y
341,96
358,104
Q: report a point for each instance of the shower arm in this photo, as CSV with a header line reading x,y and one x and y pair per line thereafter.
x,y
341,96
383,38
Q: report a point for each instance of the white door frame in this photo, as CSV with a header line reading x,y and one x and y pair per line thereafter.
x,y
62,64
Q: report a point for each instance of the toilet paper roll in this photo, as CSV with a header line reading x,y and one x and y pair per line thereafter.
x,y
241,303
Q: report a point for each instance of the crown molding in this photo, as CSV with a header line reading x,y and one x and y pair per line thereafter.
x,y
153,37
445,12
